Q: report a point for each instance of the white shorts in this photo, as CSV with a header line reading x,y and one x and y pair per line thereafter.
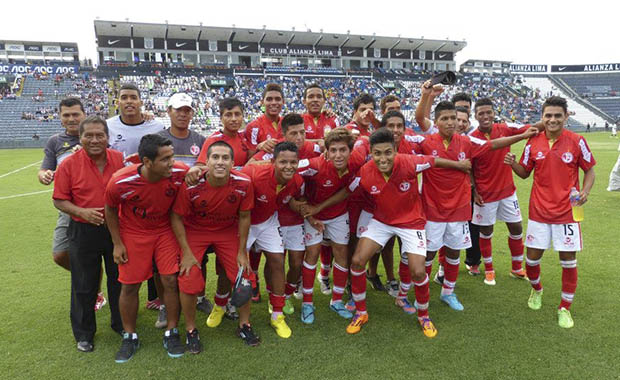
x,y
362,223
265,237
565,237
293,237
506,210
413,241
454,235
336,230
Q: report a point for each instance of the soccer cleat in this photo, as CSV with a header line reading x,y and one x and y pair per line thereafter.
x,y
350,305
359,319
101,301
375,281
340,309
215,318
162,318
231,312
281,327
324,283
172,343
428,328
535,300
564,318
204,305
192,341
307,314
288,308
473,270
256,292
404,304
246,333
85,346
518,274
452,301
489,278
154,304
392,288
129,346
438,279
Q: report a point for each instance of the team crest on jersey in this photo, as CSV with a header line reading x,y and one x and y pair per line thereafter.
x,y
308,128
434,153
194,150
262,198
328,183
540,156
374,190
461,156
232,198
567,157
404,186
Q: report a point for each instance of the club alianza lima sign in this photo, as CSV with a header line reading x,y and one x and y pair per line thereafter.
x,y
593,68
41,69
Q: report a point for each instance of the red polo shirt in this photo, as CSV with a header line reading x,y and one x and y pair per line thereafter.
x,y
317,128
261,129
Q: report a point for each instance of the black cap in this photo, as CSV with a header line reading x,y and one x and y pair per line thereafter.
x,y
447,78
242,291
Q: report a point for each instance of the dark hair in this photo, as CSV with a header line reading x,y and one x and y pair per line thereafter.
x,y
230,103
387,99
94,119
461,97
290,119
314,85
150,144
555,101
339,135
364,99
284,146
390,114
483,102
129,86
224,144
272,87
463,110
443,106
381,135
70,102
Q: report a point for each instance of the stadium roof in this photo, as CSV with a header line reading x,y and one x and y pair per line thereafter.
x,y
199,32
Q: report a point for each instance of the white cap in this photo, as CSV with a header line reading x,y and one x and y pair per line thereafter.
x,y
180,99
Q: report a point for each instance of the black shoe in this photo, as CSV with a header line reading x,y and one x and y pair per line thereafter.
x,y
231,312
85,346
193,343
172,343
204,306
247,334
128,348
375,281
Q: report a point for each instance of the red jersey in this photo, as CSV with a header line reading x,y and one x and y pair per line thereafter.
x,y
323,181
318,128
261,129
207,208
494,178
556,172
358,130
269,196
401,188
238,143
144,206
309,150
79,181
447,192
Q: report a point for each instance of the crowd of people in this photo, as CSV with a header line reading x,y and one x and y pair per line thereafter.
x,y
327,196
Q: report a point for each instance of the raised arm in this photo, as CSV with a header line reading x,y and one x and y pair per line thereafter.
x,y
503,142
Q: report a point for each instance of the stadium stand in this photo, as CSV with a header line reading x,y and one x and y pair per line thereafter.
x,y
601,90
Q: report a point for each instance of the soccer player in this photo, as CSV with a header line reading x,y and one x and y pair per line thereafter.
x,y
556,157
392,103
390,179
495,194
215,212
274,186
79,189
138,203
364,118
263,132
447,193
317,121
325,176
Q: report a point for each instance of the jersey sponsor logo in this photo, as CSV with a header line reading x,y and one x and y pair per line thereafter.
x,y
262,198
461,156
194,149
404,186
540,156
374,190
328,183
232,198
567,157
308,128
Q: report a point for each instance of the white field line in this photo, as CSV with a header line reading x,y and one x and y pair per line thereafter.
x,y
27,194
20,169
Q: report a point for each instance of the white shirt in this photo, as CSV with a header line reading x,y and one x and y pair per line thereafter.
x,y
126,138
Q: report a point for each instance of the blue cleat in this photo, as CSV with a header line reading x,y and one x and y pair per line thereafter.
x,y
342,311
452,301
307,314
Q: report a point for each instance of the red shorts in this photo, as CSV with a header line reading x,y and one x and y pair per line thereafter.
x,y
226,246
142,250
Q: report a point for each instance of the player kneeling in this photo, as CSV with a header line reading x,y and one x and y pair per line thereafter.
x,y
214,212
390,179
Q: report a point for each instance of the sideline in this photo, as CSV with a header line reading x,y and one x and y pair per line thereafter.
x,y
27,194
20,169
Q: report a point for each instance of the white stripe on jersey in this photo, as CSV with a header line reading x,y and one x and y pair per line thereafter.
x,y
354,184
239,178
476,140
129,179
526,154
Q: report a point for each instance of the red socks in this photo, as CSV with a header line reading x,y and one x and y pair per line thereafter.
x,y
569,282
515,243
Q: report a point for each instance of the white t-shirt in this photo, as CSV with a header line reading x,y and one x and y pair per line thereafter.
x,y
126,138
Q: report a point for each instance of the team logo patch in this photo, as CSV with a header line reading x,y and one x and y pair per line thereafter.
x,y
262,198
308,128
567,157
374,190
404,186
170,192
529,238
421,244
461,156
194,150
540,156
232,198
568,242
328,183
434,153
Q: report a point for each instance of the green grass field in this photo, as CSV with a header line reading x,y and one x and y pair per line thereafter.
x,y
497,336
